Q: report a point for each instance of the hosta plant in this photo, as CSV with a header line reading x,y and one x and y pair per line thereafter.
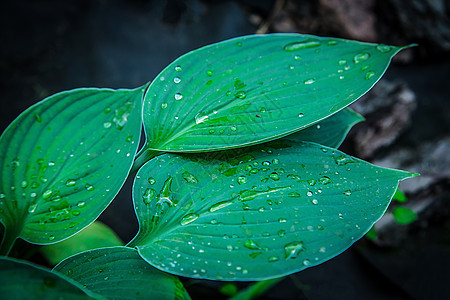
x,y
239,178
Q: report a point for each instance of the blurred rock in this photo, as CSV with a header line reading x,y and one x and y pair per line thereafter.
x,y
426,22
387,109
353,19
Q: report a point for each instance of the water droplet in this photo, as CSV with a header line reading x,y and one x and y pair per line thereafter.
x,y
32,208
325,180
383,48
106,278
201,118
274,176
308,43
300,115
242,179
240,95
211,131
151,180
347,192
293,249
281,233
209,73
309,193
233,128
370,74
220,205
332,43
282,220
340,216
306,262
273,259
189,177
343,160
311,182
81,204
342,62
38,117
70,182
189,218
51,237
361,57
164,105
70,272
309,81
275,161
15,163
239,44
178,96
89,187
47,194
251,245
107,124
178,68
297,57
315,201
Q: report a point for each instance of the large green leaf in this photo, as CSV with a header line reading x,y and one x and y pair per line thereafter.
x,y
256,88
96,235
22,280
331,131
119,273
64,159
267,212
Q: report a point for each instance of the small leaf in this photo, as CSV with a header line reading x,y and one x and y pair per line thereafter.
x,y
329,132
64,159
119,273
372,234
96,235
400,196
22,280
256,88
256,213
403,215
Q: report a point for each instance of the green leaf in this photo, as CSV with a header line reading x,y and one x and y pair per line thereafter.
x,y
64,159
119,273
372,234
265,212
331,131
96,235
400,196
403,215
22,280
256,88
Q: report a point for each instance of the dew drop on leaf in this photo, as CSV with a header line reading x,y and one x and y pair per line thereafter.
x,y
220,205
189,218
383,48
178,96
308,43
361,57
309,81
189,177
251,245
292,250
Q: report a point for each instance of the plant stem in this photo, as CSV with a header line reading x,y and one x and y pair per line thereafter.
x,y
9,237
143,156
256,289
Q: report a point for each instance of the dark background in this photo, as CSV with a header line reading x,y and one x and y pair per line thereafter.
x,y
51,46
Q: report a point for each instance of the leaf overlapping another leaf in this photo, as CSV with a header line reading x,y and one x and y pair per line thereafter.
x,y
259,213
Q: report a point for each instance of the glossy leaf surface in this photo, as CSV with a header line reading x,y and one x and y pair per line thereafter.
x,y
22,280
96,235
329,132
120,273
64,159
256,88
267,212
